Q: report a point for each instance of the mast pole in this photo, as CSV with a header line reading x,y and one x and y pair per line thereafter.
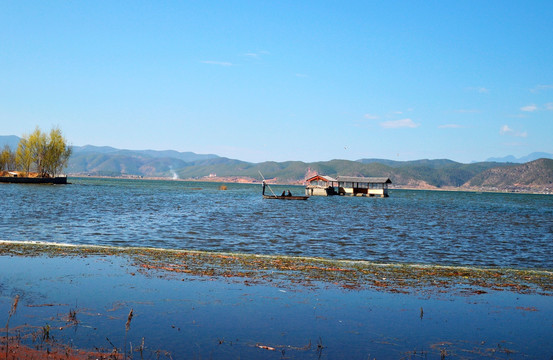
x,y
264,182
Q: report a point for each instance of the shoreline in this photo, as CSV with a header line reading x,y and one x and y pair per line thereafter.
x,y
352,274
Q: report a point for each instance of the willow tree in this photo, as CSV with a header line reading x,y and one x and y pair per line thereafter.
x,y
49,153
7,159
38,144
23,157
57,153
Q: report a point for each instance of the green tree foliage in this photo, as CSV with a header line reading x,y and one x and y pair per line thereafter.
x,y
37,146
23,155
57,153
7,159
47,154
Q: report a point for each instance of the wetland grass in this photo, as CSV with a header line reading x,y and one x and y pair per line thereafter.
x,y
50,348
127,328
13,309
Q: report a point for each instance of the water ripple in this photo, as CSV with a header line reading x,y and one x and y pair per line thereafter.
x,y
448,228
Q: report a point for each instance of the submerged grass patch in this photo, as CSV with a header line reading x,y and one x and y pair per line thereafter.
x,y
314,272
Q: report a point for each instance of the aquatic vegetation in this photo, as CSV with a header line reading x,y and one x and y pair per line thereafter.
x,y
310,272
72,317
127,327
46,332
11,313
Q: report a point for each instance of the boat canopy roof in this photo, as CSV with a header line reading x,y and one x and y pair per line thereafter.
x,y
351,179
366,180
321,178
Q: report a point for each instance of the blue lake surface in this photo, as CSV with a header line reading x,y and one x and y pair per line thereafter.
x,y
423,227
204,319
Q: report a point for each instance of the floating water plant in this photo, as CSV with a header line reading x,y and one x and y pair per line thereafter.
x,y
345,274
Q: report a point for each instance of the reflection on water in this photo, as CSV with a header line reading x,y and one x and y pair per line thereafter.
x,y
450,228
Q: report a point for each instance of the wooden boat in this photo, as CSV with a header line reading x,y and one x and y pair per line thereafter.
x,y
280,197
283,196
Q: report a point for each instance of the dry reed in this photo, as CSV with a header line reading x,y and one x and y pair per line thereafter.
x,y
11,313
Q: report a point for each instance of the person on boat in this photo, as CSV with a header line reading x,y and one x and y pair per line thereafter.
x,y
283,194
289,193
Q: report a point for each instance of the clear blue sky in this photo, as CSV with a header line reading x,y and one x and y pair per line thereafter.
x,y
283,80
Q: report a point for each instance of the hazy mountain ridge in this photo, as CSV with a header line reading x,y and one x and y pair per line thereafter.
x,y
531,157
431,174
11,140
184,156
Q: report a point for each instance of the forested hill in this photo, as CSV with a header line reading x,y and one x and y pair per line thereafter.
x,y
533,175
536,176
421,174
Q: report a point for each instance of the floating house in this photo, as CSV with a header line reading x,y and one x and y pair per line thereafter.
x,y
322,185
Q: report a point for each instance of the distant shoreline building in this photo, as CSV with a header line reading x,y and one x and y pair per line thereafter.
x,y
323,185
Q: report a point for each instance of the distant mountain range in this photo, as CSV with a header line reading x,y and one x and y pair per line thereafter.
x,y
184,156
535,174
524,159
108,161
501,174
12,141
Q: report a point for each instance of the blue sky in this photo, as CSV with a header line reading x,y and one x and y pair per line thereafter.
x,y
283,80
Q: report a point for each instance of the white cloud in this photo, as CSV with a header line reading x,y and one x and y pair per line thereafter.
x,y
396,124
450,126
529,108
467,111
301,75
371,116
539,88
220,63
481,90
549,106
255,55
506,130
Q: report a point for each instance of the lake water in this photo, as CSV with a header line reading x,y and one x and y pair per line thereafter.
x,y
200,319
423,227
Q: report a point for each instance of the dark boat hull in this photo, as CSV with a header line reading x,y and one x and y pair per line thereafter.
x,y
281,197
285,197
